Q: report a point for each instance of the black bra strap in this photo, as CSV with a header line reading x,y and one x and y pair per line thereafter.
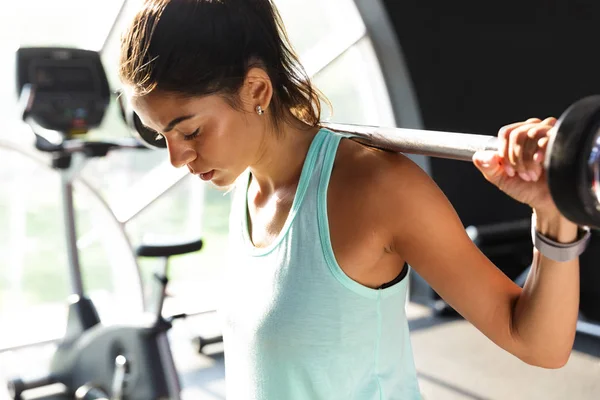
x,y
399,278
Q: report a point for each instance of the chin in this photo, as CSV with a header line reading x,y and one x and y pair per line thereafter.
x,y
223,183
225,189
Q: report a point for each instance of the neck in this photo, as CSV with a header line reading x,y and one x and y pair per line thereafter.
x,y
280,161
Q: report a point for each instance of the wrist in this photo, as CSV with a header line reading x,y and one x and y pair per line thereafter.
x,y
555,226
557,238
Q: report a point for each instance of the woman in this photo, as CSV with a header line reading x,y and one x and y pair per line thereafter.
x,y
323,228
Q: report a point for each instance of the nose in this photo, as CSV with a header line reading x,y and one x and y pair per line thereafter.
x,y
180,155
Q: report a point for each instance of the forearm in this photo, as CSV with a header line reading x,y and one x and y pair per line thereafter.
x,y
545,314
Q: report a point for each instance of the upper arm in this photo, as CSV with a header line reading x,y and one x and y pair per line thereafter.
x,y
429,235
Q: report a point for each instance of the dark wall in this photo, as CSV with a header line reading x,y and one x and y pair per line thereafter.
x,y
477,66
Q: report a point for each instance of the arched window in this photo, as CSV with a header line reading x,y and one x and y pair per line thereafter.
x,y
337,52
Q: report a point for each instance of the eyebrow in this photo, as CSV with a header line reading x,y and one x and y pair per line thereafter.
x,y
176,121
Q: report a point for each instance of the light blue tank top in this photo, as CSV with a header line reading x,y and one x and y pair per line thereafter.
x,y
295,326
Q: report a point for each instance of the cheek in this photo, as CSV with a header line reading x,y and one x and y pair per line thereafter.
x,y
232,138
233,133
219,141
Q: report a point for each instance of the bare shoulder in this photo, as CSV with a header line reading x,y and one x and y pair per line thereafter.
x,y
379,189
397,196
359,209
381,175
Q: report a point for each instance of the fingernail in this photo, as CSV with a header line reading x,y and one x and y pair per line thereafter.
x,y
534,176
525,176
510,171
538,157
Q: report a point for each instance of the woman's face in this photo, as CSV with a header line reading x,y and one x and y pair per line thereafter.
x,y
206,134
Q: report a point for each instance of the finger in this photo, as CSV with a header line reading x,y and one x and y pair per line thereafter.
x,y
542,143
532,144
533,168
519,154
503,135
503,145
550,121
532,121
503,150
516,143
506,130
533,155
488,162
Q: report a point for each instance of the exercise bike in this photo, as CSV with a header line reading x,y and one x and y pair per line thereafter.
x,y
63,94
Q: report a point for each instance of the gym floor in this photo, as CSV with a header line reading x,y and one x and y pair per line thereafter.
x,y
453,359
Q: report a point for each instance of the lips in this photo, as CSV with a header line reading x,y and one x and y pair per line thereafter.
x,y
207,176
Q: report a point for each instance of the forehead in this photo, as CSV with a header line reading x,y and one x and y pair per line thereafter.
x,y
157,109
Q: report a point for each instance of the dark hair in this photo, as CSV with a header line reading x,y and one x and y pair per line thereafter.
x,y
201,47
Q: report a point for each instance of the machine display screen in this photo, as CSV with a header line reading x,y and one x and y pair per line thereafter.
x,y
50,78
70,89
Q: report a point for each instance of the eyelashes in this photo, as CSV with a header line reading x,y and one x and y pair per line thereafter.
x,y
192,135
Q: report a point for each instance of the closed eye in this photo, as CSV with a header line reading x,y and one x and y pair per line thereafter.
x,y
192,135
185,137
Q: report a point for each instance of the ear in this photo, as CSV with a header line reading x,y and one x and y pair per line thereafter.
x,y
257,89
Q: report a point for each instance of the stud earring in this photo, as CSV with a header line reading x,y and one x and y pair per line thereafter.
x,y
259,110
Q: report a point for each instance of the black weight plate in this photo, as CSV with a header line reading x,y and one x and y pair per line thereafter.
x,y
566,163
147,136
589,189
